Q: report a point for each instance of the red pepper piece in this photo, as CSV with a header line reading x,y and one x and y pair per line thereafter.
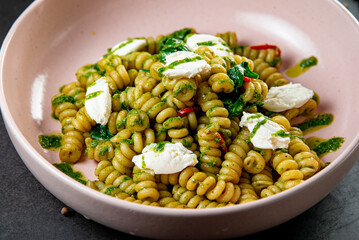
x,y
247,79
267,46
221,142
185,111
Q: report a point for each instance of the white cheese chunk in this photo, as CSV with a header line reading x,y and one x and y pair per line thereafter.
x,y
128,46
216,44
98,101
185,64
173,158
265,133
287,97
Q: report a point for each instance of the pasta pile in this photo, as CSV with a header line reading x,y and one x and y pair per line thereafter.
x,y
145,109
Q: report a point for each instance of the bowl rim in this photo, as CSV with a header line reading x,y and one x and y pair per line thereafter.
x,y
12,126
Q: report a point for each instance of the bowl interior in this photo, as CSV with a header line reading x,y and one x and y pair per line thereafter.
x,y
69,34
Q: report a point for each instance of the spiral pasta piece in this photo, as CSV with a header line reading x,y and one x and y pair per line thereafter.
x,y
88,74
229,37
262,180
232,165
192,200
288,168
128,198
270,75
273,189
254,162
77,92
248,193
213,106
220,82
146,186
64,109
82,121
307,161
210,158
99,149
138,60
269,55
122,160
254,91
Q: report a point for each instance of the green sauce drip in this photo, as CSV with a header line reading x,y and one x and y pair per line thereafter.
x,y
316,123
143,164
176,63
52,141
160,146
309,62
68,170
281,133
256,127
255,116
323,146
302,67
62,99
92,95
110,50
208,43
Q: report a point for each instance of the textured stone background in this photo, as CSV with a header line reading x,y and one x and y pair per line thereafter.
x,y
29,211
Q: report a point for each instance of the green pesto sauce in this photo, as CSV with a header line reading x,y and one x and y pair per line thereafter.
x,y
92,95
143,164
207,43
161,131
256,127
50,141
94,143
168,121
176,63
109,190
129,141
188,86
160,146
62,99
275,61
122,123
320,121
68,170
230,81
103,151
281,133
323,146
302,67
186,143
100,132
53,115
254,116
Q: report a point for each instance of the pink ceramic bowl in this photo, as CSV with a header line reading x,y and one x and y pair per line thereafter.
x,y
52,39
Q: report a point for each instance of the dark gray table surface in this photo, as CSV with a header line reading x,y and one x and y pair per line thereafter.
x,y
29,211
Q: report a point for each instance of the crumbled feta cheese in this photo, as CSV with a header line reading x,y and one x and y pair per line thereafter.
x,y
264,133
287,97
98,101
128,46
184,64
165,158
216,44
